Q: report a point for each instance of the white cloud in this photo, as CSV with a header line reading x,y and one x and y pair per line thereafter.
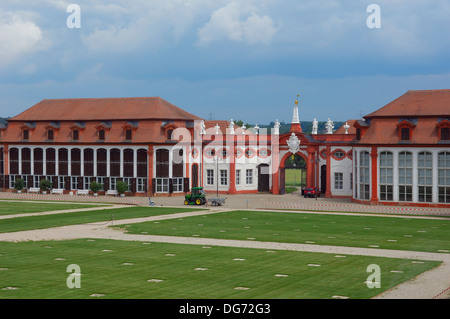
x,y
17,38
239,23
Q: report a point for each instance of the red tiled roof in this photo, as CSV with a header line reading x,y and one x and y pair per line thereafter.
x,y
134,108
385,131
416,104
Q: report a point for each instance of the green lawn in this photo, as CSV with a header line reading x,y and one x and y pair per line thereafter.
x,y
294,177
120,269
9,208
323,229
63,219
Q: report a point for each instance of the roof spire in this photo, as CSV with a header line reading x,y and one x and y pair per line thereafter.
x,y
295,124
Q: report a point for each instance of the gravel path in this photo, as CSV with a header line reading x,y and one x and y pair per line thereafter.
x,y
431,284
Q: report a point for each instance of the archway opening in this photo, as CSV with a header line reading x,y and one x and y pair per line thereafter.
x,y
293,173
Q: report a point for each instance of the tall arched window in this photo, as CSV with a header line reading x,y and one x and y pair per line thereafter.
x,y
162,171
444,177
364,175
405,183
425,181
386,176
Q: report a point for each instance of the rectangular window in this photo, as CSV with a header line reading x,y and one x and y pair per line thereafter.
x,y
36,181
86,183
223,177
162,185
210,177
445,134
101,135
128,135
50,134
351,180
140,185
75,135
249,176
404,134
12,181
358,134
238,177
386,176
113,183
338,180
73,182
26,134
177,184
61,182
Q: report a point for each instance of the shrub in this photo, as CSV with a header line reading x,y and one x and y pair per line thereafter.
x,y
95,187
45,184
19,184
121,187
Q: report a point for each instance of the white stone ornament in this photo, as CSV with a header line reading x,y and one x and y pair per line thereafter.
x,y
293,143
329,126
202,127
315,126
276,128
346,127
231,127
217,128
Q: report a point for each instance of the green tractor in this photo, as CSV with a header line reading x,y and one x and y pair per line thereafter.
x,y
196,197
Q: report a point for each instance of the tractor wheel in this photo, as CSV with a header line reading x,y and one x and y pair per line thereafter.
x,y
198,201
186,202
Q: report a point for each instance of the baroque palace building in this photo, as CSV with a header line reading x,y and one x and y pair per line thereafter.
x,y
398,154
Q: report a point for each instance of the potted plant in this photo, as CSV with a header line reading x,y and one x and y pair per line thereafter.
x,y
45,185
95,187
121,187
19,184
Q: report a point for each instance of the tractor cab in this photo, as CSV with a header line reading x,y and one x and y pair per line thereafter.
x,y
196,197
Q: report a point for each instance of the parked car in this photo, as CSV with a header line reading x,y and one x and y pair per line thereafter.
x,y
311,192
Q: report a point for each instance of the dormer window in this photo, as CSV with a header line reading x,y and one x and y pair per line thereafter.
x,y
129,129
102,129
77,129
405,129
443,127
27,130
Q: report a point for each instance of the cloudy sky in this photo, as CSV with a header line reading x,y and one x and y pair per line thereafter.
x,y
222,59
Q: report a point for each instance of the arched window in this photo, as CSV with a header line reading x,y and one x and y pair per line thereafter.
x,y
364,175
386,176
405,169
444,177
425,172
